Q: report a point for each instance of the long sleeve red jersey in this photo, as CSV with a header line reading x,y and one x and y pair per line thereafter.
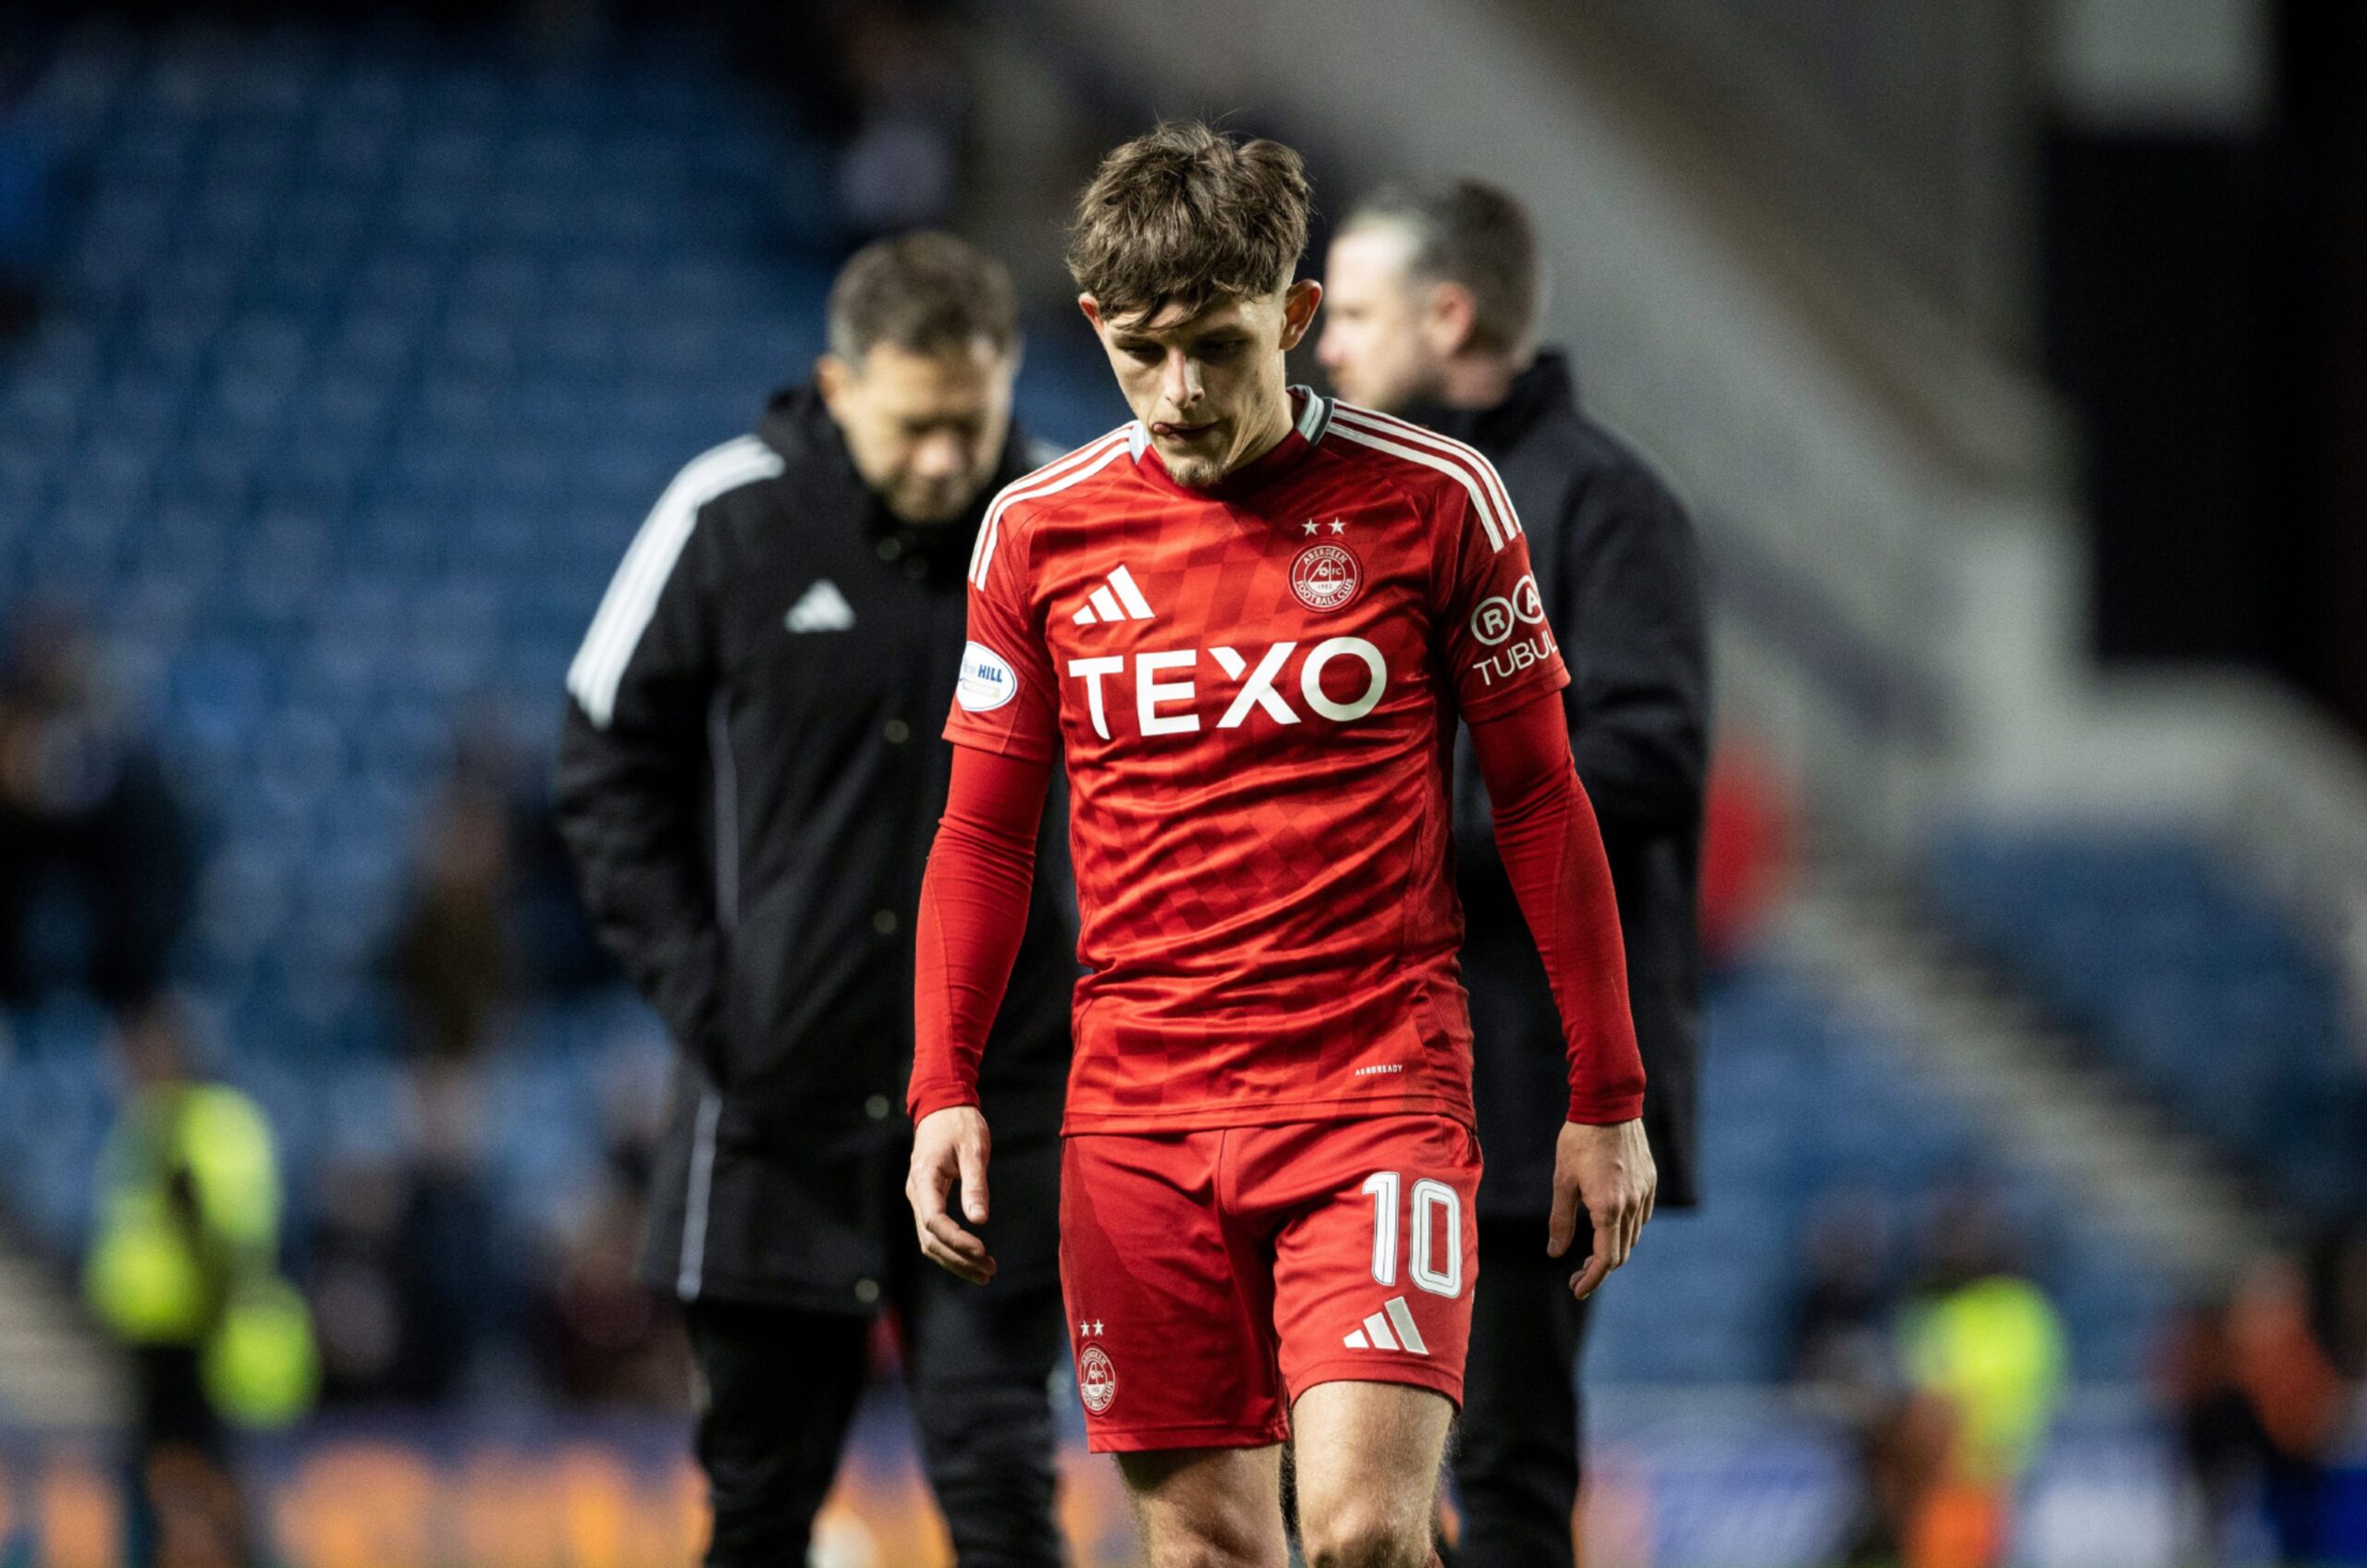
x,y
1253,687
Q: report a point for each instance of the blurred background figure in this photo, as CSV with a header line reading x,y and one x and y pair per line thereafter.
x,y
748,778
183,1270
1847,1293
97,857
1984,1362
456,962
1434,296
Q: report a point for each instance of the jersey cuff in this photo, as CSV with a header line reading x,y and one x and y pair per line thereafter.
x,y
1594,1110
937,1094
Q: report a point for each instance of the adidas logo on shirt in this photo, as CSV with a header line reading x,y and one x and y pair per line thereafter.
x,y
1103,607
1376,1335
823,608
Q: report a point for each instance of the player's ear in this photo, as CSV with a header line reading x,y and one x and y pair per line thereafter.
x,y
1299,302
1092,308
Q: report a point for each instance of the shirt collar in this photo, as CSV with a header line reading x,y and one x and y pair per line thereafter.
x,y
1310,420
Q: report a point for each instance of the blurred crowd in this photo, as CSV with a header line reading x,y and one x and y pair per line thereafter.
x,y
1946,1362
2263,1391
415,1295
1943,1360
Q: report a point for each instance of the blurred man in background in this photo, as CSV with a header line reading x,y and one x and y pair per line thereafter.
x,y
1435,292
1984,1359
748,778
98,863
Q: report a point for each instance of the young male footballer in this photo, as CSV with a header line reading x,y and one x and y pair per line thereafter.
x,y
1247,622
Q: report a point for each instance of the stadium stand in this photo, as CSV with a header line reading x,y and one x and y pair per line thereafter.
x,y
1804,1100
2195,984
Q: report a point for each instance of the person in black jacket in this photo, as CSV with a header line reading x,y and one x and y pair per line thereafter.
x,y
749,778
1432,297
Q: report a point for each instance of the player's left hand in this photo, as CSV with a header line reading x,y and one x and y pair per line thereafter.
x,y
1609,1172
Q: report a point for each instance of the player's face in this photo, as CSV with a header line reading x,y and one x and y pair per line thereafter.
x,y
1208,387
1381,346
924,430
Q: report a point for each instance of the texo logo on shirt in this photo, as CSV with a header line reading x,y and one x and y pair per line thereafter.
x,y
1156,700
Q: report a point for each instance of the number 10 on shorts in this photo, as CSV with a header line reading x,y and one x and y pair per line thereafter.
x,y
1421,1268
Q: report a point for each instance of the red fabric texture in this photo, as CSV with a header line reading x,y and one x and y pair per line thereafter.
x,y
1253,689
973,915
1553,854
1212,1277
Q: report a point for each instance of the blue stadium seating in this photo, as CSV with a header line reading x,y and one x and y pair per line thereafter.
x,y
2195,984
1801,1099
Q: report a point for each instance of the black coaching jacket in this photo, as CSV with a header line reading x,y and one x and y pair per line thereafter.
x,y
1621,574
750,776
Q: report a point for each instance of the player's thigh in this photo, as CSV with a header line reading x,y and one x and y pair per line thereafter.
x,y
1374,1265
1208,1508
1366,1458
1170,1307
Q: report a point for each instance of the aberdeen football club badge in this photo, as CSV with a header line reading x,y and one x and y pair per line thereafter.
x,y
1097,1380
1326,577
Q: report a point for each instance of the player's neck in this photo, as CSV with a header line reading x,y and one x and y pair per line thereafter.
x,y
1277,426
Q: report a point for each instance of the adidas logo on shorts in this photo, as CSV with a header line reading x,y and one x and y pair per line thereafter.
x,y
1376,1335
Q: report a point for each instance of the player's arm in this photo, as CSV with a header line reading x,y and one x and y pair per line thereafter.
x,y
631,779
973,915
974,896
1552,855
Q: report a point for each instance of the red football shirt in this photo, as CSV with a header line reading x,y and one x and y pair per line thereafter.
x,y
1255,686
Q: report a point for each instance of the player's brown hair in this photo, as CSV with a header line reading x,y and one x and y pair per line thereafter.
x,y
1468,232
1186,214
923,292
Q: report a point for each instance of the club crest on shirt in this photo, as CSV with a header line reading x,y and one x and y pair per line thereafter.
x,y
1326,576
1097,1380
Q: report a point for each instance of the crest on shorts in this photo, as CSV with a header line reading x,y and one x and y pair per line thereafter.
x,y
1326,576
1097,1380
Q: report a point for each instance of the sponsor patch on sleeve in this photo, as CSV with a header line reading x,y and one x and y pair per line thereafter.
x,y
987,682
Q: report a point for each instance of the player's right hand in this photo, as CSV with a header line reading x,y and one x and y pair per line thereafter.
x,y
950,1147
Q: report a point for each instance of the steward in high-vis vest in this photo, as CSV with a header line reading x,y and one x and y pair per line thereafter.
x,y
183,1273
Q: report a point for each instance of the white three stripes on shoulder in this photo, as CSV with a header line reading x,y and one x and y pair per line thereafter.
x,y
1464,464
632,595
1078,466
1471,456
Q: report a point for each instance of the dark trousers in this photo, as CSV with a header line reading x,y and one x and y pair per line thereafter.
x,y
1516,1459
182,1498
778,1387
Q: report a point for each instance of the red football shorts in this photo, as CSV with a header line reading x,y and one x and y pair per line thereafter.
x,y
1214,1277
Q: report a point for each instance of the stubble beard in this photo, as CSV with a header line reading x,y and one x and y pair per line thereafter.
x,y
1194,474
